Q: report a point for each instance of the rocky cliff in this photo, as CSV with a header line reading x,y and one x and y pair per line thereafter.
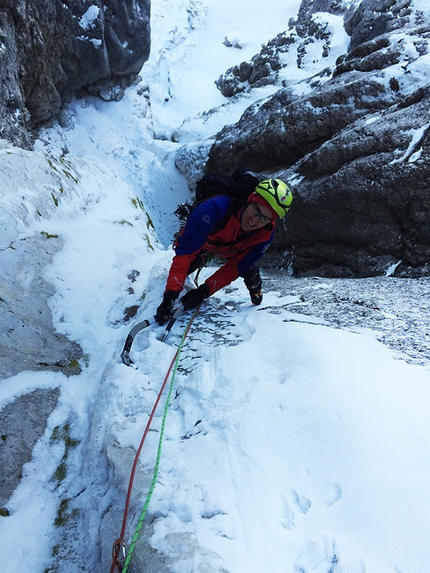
x,y
51,51
353,140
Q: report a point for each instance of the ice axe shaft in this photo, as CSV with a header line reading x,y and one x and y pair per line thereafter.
x,y
171,322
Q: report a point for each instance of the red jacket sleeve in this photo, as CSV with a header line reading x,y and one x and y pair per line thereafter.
x,y
223,276
178,272
200,223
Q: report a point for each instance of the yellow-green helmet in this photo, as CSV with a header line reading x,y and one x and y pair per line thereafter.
x,y
277,194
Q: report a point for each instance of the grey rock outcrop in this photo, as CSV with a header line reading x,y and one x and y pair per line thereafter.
x,y
374,18
282,130
302,34
22,423
372,76
355,147
363,205
28,339
51,51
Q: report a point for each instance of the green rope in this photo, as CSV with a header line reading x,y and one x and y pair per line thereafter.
x,y
160,444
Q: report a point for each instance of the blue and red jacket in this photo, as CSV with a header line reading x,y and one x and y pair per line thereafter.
x,y
241,250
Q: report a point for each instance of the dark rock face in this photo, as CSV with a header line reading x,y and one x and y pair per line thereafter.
x,y
282,130
377,17
364,203
264,67
53,50
355,146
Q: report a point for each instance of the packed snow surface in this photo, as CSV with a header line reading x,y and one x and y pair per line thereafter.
x,y
298,433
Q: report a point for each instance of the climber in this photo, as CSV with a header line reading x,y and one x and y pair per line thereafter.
x,y
235,231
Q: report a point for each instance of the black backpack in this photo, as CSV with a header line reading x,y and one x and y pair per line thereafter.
x,y
239,185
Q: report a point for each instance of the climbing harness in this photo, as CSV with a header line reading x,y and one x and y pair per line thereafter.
x,y
120,557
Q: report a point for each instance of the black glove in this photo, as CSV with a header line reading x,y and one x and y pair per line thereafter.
x,y
253,283
194,297
164,311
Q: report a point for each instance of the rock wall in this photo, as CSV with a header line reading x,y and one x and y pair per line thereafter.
x,y
19,434
28,339
51,51
363,205
354,145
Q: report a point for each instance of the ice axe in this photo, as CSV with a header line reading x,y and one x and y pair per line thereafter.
x,y
125,354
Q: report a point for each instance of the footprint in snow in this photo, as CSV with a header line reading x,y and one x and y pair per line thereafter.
x,y
335,495
127,305
288,519
302,502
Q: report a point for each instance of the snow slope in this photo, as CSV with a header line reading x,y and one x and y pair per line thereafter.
x,y
290,445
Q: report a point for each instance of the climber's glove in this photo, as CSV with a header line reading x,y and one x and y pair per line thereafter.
x,y
193,298
164,311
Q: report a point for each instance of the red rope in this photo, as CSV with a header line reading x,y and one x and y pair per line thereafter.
x,y
119,543
116,548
